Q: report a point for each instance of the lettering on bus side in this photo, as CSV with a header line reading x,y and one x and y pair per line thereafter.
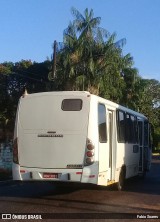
x,y
50,135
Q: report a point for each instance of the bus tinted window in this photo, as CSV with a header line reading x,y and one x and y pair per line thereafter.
x,y
121,126
140,131
131,129
102,123
146,134
71,104
135,128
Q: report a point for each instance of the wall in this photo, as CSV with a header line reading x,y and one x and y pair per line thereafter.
x,y
6,155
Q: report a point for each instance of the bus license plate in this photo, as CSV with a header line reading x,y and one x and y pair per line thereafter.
x,y
50,175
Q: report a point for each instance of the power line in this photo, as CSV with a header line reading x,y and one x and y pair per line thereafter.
x,y
15,73
27,77
30,73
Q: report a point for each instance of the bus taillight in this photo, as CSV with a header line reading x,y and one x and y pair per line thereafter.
x,y
90,146
89,161
90,153
89,157
15,151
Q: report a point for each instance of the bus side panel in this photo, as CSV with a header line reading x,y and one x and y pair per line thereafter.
x,y
127,157
120,158
16,172
15,167
132,160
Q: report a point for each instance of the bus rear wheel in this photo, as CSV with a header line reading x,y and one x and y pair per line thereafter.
x,y
121,182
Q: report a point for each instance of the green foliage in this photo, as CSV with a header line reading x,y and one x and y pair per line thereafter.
x,y
14,78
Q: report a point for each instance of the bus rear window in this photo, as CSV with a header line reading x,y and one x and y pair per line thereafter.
x,y
71,104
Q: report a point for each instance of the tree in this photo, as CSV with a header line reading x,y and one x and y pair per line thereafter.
x,y
90,57
13,79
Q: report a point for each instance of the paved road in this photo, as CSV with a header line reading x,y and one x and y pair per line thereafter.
x,y
142,196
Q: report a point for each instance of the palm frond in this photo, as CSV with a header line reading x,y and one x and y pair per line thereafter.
x,y
77,14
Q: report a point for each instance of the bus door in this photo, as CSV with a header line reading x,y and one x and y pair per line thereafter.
x,y
147,147
105,142
110,141
140,132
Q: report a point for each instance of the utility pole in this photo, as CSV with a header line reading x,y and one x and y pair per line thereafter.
x,y
54,60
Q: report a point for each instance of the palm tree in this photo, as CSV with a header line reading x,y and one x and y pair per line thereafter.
x,y
87,26
91,58
80,39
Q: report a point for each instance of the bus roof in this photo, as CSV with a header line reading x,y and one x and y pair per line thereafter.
x,y
86,94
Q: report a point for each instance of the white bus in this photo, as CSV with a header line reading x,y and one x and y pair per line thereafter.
x,y
79,137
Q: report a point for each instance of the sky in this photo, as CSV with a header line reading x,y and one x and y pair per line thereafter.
x,y
28,28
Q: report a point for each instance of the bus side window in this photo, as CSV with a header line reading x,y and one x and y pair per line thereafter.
x,y
136,129
102,126
146,134
121,126
128,128
140,132
131,128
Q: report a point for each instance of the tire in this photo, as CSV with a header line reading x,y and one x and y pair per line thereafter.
x,y
143,175
121,182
